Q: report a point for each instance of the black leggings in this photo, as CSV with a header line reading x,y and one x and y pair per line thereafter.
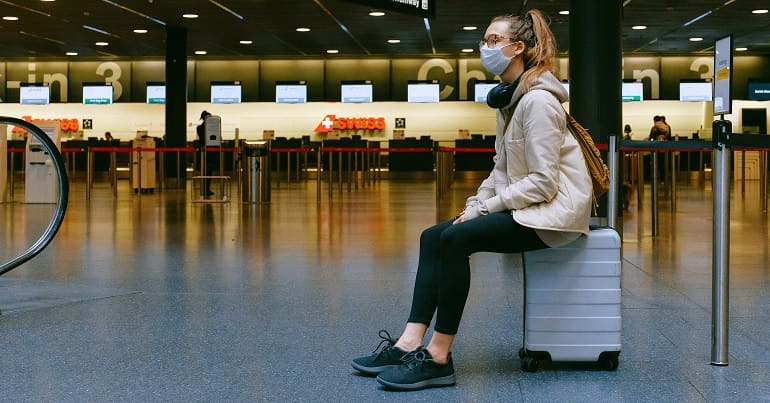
x,y
443,272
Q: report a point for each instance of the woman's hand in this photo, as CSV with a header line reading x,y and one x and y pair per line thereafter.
x,y
459,217
471,212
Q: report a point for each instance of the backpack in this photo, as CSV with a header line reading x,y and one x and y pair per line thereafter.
x,y
597,169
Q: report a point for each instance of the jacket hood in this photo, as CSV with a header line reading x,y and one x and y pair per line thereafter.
x,y
548,82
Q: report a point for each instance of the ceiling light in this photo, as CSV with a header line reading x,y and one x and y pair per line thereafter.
x,y
68,53
639,27
467,50
376,13
246,42
190,15
10,18
333,51
696,39
394,40
564,12
47,0
101,43
303,29
140,31
470,28
200,52
759,11
741,49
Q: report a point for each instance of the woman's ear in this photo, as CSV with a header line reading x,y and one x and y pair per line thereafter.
x,y
519,47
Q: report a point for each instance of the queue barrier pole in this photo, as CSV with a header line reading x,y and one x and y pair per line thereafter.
x,y
318,175
12,180
613,159
89,173
654,188
721,243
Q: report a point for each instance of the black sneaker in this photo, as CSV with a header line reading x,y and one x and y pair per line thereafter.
x,y
419,371
388,356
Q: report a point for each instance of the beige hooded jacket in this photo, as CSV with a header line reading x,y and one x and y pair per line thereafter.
x,y
539,172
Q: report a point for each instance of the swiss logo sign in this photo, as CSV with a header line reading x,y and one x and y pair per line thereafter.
x,y
331,122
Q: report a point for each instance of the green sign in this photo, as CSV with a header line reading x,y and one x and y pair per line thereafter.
x,y
97,101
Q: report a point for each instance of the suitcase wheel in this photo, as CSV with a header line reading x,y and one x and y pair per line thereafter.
x,y
522,353
530,364
608,361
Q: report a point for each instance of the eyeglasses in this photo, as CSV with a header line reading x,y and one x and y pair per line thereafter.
x,y
492,40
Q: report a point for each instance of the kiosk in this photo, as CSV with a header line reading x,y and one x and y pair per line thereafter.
x,y
143,163
39,181
210,160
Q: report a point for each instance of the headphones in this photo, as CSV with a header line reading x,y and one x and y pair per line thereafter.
x,y
500,95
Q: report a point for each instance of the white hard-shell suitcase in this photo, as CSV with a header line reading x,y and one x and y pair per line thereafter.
x,y
572,302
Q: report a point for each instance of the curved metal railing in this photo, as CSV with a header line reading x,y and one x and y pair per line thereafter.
x,y
61,203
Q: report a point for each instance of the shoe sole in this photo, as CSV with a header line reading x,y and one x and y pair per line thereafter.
x,y
448,380
371,371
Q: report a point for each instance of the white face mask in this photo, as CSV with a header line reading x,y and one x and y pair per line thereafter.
x,y
494,60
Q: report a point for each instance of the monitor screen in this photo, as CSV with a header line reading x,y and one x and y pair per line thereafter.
x,y
47,129
481,89
226,92
422,91
356,91
156,93
694,91
632,92
759,90
100,94
34,94
291,92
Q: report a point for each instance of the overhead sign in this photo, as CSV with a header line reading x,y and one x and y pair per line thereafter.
x,y
421,8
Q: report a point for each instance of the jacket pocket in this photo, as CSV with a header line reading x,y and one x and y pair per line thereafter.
x,y
516,161
564,195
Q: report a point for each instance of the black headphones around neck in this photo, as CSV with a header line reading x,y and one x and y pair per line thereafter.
x,y
500,95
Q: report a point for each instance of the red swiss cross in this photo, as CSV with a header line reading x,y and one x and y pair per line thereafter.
x,y
326,125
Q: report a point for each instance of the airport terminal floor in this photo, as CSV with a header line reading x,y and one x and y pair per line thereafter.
x,y
153,298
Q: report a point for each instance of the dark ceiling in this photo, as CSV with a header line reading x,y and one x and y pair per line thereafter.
x,y
47,29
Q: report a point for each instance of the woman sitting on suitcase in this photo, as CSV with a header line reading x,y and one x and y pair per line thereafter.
x,y
538,195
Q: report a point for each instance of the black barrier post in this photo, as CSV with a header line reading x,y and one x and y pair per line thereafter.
x,y
721,243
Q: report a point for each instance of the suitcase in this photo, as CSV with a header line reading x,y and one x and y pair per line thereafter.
x,y
572,302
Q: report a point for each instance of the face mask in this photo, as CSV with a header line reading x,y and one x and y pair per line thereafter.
x,y
494,60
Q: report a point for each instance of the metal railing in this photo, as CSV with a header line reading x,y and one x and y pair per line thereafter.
x,y
61,203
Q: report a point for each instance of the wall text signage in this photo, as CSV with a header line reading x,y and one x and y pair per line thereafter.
x,y
420,8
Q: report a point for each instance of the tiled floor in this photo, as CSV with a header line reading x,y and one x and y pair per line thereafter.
x,y
153,298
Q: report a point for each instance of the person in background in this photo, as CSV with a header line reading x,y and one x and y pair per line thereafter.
x,y
212,159
108,136
670,134
659,130
538,195
627,132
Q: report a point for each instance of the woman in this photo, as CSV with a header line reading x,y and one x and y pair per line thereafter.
x,y
538,195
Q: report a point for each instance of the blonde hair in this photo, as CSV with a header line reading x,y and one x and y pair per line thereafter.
x,y
532,29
